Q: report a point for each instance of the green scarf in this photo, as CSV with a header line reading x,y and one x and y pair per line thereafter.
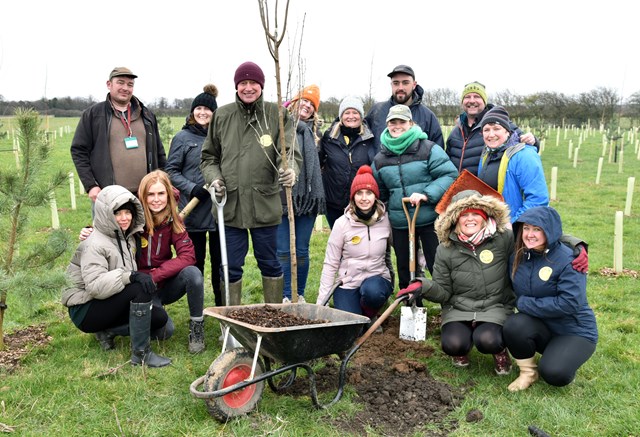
x,y
400,144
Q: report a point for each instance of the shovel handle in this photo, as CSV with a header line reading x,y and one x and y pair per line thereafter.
x,y
380,320
411,221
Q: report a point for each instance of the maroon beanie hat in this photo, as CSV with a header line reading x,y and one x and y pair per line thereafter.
x,y
249,71
478,211
364,180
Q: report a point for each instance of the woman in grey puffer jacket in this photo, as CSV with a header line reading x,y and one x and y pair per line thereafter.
x,y
107,290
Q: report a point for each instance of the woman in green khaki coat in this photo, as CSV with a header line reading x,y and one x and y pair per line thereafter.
x,y
470,278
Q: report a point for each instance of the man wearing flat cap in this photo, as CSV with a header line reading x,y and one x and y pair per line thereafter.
x,y
405,91
117,141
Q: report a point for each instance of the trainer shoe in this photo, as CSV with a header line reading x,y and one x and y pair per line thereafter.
x,y
461,361
502,363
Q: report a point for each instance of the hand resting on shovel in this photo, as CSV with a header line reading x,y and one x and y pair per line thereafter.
x,y
414,290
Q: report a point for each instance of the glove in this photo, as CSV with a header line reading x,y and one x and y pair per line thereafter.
x,y
145,280
219,187
581,261
414,290
200,193
287,177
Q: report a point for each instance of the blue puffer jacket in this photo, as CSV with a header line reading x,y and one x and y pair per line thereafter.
x,y
547,286
422,116
340,162
423,168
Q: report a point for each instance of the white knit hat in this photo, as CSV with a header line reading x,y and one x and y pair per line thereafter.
x,y
351,102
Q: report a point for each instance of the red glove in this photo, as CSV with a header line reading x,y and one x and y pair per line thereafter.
x,y
581,261
415,289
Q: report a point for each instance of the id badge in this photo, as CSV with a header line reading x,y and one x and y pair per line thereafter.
x,y
131,142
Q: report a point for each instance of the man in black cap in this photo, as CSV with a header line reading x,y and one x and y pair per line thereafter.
x,y
405,91
117,141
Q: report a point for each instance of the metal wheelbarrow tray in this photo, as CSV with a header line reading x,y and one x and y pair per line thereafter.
x,y
234,383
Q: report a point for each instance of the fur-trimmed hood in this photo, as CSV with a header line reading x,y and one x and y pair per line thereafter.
x,y
445,224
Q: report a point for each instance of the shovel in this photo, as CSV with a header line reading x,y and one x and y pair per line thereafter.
x,y
229,340
413,319
189,206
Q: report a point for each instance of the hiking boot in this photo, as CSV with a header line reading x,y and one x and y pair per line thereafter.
x,y
461,361
106,340
502,363
196,336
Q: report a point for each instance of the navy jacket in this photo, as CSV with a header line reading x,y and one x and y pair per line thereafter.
x,y
422,116
546,285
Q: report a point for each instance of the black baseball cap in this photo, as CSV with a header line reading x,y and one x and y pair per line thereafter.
x,y
405,69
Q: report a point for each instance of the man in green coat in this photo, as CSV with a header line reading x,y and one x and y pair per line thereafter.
x,y
242,155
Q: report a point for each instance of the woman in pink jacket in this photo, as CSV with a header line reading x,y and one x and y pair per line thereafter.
x,y
358,252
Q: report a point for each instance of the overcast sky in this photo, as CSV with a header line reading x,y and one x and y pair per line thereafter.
x,y
60,48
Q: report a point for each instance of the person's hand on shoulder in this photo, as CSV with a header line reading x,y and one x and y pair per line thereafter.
x,y
85,232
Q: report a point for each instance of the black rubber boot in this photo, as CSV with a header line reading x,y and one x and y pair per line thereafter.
x,y
139,328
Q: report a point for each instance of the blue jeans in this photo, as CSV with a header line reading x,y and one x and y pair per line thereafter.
x,y
365,300
190,282
264,242
304,229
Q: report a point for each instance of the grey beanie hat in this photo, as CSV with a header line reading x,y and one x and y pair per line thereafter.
x,y
351,102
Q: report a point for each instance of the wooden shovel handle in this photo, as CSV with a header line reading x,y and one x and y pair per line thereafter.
x,y
411,221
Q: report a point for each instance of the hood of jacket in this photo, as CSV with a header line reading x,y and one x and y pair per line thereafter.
x,y
108,201
445,224
545,218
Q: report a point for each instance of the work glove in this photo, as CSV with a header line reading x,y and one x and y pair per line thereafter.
x,y
581,261
219,188
201,193
287,177
414,290
145,280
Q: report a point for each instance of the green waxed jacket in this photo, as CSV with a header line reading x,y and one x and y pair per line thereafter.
x,y
472,284
243,149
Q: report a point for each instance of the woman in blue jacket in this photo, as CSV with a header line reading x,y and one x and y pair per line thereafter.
x,y
409,165
554,317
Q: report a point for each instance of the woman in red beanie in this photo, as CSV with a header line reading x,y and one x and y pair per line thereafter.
x,y
358,252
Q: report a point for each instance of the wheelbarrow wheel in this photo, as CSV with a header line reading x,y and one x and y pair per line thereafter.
x,y
230,368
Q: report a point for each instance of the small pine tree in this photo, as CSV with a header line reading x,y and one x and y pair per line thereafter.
x,y
21,190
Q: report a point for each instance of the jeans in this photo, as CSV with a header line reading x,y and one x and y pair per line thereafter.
x,y
304,229
190,282
365,300
264,242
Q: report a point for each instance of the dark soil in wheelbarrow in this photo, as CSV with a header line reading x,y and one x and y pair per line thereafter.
x,y
398,394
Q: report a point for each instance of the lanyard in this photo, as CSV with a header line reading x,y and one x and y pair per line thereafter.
x,y
127,123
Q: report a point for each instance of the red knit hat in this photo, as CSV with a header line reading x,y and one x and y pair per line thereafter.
x,y
249,71
480,212
364,180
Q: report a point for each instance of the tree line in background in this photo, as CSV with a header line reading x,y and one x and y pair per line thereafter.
x,y
600,106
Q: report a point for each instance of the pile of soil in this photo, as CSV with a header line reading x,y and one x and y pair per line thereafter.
x,y
398,394
267,316
19,343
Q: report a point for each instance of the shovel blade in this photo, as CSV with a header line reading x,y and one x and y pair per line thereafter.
x,y
413,323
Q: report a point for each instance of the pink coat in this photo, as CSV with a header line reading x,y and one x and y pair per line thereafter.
x,y
355,252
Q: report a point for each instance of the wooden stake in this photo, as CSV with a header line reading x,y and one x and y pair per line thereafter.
x,y
627,206
600,161
617,243
554,182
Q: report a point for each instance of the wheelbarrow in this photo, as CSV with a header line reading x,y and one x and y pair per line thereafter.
x,y
234,382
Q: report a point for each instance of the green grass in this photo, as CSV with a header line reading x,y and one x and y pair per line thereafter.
x,y
61,389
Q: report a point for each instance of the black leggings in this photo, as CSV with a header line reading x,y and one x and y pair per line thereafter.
x,y
114,311
457,338
562,355
426,237
199,240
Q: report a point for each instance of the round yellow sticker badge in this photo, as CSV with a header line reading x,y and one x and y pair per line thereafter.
x,y
486,256
143,242
266,140
545,273
356,240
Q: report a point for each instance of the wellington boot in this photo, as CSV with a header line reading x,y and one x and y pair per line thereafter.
x,y
272,289
140,328
106,340
528,374
235,293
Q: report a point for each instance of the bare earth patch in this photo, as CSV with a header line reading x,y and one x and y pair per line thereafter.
x,y
19,343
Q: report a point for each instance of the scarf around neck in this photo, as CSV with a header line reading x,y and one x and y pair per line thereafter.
x,y
400,144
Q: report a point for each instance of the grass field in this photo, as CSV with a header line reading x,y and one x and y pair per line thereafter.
x,y
61,389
